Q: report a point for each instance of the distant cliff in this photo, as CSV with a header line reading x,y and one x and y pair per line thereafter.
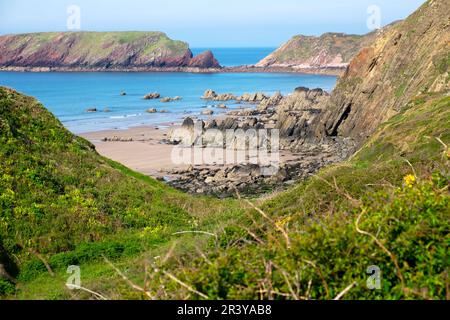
x,y
403,65
99,50
409,60
330,50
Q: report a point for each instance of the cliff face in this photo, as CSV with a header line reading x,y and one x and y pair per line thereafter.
x,y
98,50
330,50
409,59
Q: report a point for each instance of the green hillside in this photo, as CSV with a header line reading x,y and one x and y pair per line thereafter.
x,y
93,50
387,208
63,204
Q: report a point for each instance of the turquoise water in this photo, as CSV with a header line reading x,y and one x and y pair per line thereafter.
x,y
68,95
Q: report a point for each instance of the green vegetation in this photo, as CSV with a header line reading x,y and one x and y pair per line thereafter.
x,y
307,48
92,48
389,206
63,204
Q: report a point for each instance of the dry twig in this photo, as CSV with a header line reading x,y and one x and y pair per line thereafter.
x,y
344,292
96,294
378,242
188,287
128,281
279,228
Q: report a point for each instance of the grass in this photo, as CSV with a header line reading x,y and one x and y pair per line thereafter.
x,y
96,47
396,188
387,207
62,203
302,47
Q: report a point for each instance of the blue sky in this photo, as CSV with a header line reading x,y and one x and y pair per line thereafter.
x,y
206,23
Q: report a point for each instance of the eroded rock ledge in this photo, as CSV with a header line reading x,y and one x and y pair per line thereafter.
x,y
294,117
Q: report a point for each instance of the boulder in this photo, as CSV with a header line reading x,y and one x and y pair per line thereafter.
x,y
151,96
207,112
225,97
297,113
228,123
212,95
211,124
204,60
168,99
188,123
151,110
301,89
209,94
252,97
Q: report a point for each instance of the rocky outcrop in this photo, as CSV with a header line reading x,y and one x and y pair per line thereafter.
x,y
406,60
329,51
169,99
252,97
296,113
246,97
252,179
291,115
152,96
212,95
207,112
410,59
98,51
204,60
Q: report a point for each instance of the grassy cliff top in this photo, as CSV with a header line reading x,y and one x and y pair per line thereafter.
x,y
319,51
98,39
92,49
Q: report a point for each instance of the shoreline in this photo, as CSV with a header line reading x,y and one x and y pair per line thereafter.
x,y
145,153
144,149
220,167
236,69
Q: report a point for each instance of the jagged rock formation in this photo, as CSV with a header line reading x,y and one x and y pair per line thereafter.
x,y
204,60
329,51
409,59
99,50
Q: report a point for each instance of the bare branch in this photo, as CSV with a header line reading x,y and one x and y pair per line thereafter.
x,y
199,232
98,295
378,242
171,276
40,257
325,284
128,281
279,228
412,168
344,292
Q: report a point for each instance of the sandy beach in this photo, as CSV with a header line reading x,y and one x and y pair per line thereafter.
x,y
145,154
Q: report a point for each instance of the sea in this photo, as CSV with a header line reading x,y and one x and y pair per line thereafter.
x,y
69,94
